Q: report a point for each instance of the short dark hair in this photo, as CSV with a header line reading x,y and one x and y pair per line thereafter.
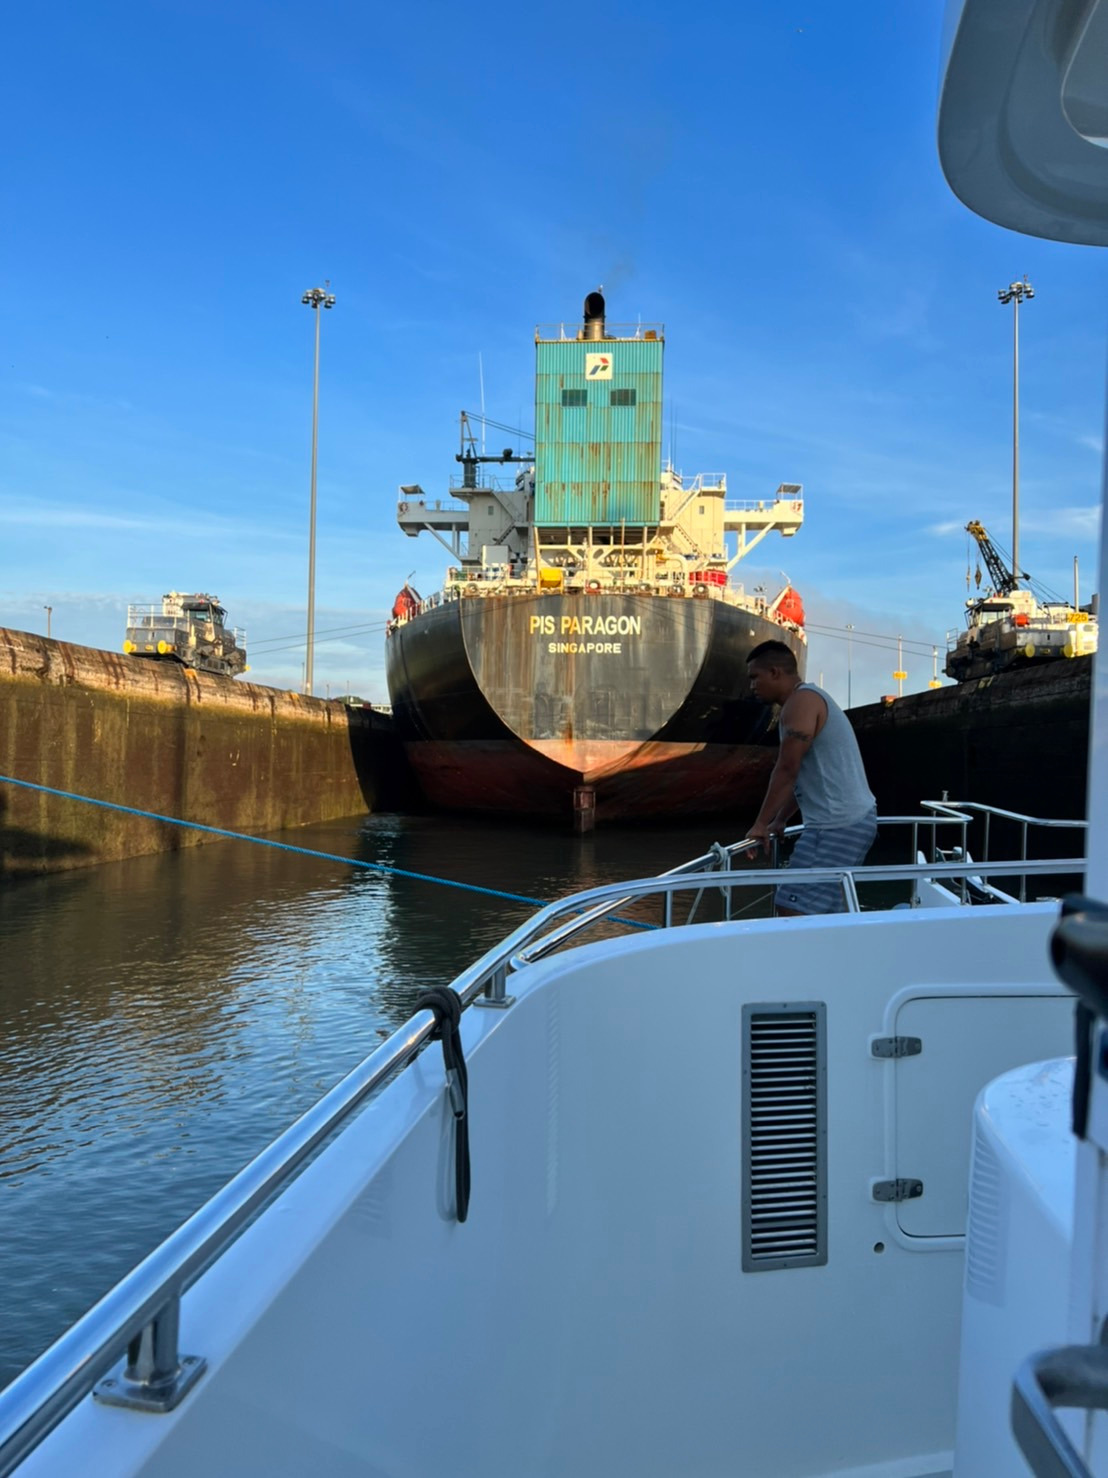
x,y
773,654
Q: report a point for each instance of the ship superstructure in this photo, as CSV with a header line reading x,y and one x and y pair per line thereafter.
x,y
587,629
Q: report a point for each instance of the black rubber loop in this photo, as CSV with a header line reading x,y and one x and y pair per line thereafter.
x,y
447,1010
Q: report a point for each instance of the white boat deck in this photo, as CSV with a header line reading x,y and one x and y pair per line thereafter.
x,y
604,1308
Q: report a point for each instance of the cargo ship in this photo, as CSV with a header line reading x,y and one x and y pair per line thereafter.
x,y
586,654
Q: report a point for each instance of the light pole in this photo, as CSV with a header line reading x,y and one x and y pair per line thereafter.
x,y
49,612
315,298
900,674
1015,293
849,661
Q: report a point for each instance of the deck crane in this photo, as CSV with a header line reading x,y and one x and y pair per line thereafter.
x,y
1004,580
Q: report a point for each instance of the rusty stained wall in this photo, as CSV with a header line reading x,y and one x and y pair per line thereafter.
x,y
161,738
1019,740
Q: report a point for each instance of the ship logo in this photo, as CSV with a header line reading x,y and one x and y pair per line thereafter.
x,y
598,366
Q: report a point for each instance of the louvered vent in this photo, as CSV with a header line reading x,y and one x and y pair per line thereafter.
x,y
986,1239
784,1136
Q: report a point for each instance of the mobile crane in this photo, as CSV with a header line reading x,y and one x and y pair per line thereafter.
x,y
1008,626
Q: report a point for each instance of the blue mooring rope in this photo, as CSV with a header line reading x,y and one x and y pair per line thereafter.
x,y
241,836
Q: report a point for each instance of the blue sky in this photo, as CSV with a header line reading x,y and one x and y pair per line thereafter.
x,y
762,178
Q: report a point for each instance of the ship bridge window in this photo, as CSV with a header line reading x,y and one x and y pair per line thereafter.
x,y
573,397
623,397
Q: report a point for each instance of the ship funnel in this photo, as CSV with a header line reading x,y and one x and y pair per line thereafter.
x,y
594,316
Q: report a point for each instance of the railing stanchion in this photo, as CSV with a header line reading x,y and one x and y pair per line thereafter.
x,y
496,993
156,1376
1023,858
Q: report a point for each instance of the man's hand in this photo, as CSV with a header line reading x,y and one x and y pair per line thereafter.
x,y
761,832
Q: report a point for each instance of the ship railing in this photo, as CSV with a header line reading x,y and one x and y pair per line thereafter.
x,y
761,505
138,1321
487,484
417,506
572,331
704,482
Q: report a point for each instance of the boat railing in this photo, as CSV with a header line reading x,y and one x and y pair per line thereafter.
x,y
945,814
138,1321
965,810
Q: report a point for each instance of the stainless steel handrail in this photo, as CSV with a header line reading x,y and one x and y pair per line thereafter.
x,y
34,1403
1025,823
709,863
38,1399
698,866
981,809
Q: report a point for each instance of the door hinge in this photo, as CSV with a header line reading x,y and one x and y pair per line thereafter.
x,y
896,1046
896,1190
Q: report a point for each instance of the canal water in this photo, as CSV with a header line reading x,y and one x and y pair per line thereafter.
x,y
163,1019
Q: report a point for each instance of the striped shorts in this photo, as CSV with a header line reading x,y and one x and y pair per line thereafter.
x,y
826,846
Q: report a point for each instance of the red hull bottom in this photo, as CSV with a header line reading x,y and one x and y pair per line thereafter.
x,y
654,779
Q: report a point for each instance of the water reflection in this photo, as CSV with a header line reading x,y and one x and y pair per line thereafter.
x,y
161,1019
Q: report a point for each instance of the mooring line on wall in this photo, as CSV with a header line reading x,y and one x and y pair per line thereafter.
x,y
242,836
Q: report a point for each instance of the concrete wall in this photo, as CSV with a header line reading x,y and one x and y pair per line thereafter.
x,y
1019,740
162,738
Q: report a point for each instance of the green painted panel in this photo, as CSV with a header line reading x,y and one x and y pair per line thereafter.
x,y
598,463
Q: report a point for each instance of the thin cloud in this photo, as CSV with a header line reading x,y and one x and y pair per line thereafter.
x,y
45,515
77,397
1075,523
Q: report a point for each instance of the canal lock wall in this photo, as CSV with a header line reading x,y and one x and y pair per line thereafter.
x,y
160,737
1019,740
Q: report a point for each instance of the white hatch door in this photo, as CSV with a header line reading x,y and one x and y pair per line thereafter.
x,y
966,1041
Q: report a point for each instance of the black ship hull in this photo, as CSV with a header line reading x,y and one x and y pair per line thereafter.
x,y
512,703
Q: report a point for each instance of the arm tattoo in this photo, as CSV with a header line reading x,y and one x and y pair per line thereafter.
x,y
798,734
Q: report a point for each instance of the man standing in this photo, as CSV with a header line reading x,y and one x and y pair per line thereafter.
x,y
819,772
